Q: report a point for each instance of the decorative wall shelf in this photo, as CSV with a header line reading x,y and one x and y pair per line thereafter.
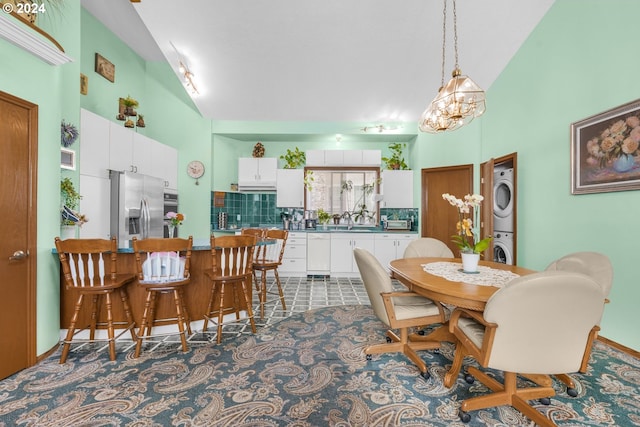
x,y
17,31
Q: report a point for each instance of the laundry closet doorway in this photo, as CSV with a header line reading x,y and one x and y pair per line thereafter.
x,y
498,217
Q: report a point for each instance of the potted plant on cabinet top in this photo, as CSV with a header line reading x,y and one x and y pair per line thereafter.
x,y
396,161
294,159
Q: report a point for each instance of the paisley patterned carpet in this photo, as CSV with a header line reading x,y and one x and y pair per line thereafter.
x,y
307,370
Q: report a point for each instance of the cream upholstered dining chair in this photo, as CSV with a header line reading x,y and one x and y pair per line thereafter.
x,y
398,310
163,269
231,259
89,268
599,268
427,247
536,325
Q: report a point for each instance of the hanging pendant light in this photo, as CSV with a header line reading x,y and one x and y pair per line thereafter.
x,y
460,100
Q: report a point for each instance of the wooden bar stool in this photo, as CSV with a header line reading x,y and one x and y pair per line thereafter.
x,y
232,258
85,263
163,268
259,234
269,258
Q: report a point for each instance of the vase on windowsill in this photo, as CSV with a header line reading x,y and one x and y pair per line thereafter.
x,y
470,262
172,231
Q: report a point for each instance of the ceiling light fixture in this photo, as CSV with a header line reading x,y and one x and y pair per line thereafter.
x,y
187,75
379,128
460,100
188,78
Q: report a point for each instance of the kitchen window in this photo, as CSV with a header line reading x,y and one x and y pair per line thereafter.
x,y
340,190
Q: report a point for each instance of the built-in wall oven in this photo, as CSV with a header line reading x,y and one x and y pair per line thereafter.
x,y
170,205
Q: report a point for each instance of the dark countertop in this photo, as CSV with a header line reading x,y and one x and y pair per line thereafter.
x,y
203,244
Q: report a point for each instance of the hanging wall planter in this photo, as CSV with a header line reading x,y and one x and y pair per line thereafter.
x,y
68,133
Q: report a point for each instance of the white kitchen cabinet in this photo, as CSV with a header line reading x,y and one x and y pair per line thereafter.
x,y
120,148
397,188
314,158
352,157
290,188
371,157
343,157
94,145
255,173
165,165
390,246
342,246
144,154
94,205
319,258
334,158
134,152
294,260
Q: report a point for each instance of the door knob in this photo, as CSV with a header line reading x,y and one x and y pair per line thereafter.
x,y
17,255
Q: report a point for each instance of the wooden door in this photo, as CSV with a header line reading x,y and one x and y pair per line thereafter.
x,y
18,166
486,209
439,218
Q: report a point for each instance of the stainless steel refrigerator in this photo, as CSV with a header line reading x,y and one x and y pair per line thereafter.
x,y
137,207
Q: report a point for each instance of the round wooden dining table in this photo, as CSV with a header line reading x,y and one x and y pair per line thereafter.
x,y
411,273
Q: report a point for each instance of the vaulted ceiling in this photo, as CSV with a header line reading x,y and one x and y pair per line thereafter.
x,y
366,61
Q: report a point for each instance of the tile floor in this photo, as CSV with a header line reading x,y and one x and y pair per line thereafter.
x,y
300,293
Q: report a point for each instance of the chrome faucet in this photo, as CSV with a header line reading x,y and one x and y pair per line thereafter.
x,y
347,215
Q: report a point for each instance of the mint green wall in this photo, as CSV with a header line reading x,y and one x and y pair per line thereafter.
x,y
576,63
55,90
170,115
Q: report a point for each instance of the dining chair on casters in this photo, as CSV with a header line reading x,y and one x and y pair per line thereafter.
x,y
599,268
398,310
269,258
89,267
232,259
427,247
536,325
163,269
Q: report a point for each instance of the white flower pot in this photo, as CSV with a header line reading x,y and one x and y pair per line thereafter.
x,y
470,262
68,232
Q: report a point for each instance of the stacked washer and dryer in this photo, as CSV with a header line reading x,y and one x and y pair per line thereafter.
x,y
503,220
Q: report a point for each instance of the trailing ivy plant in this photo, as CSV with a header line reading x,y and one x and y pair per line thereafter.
x,y
69,197
294,159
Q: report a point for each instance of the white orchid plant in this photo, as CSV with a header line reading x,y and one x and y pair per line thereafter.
x,y
467,238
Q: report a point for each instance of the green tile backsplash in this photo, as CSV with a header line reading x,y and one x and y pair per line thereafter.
x,y
255,210
259,210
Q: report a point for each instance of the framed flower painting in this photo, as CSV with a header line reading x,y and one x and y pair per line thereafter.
x,y
605,151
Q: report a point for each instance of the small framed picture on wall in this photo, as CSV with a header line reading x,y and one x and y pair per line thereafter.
x,y
84,84
105,68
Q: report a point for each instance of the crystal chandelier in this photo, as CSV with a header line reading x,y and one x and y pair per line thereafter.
x,y
460,100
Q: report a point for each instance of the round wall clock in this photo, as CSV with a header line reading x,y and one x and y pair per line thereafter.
x,y
195,169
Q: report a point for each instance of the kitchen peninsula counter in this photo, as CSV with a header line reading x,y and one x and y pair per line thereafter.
x,y
197,292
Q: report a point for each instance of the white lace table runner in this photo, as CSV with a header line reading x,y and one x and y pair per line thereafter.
x,y
486,276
